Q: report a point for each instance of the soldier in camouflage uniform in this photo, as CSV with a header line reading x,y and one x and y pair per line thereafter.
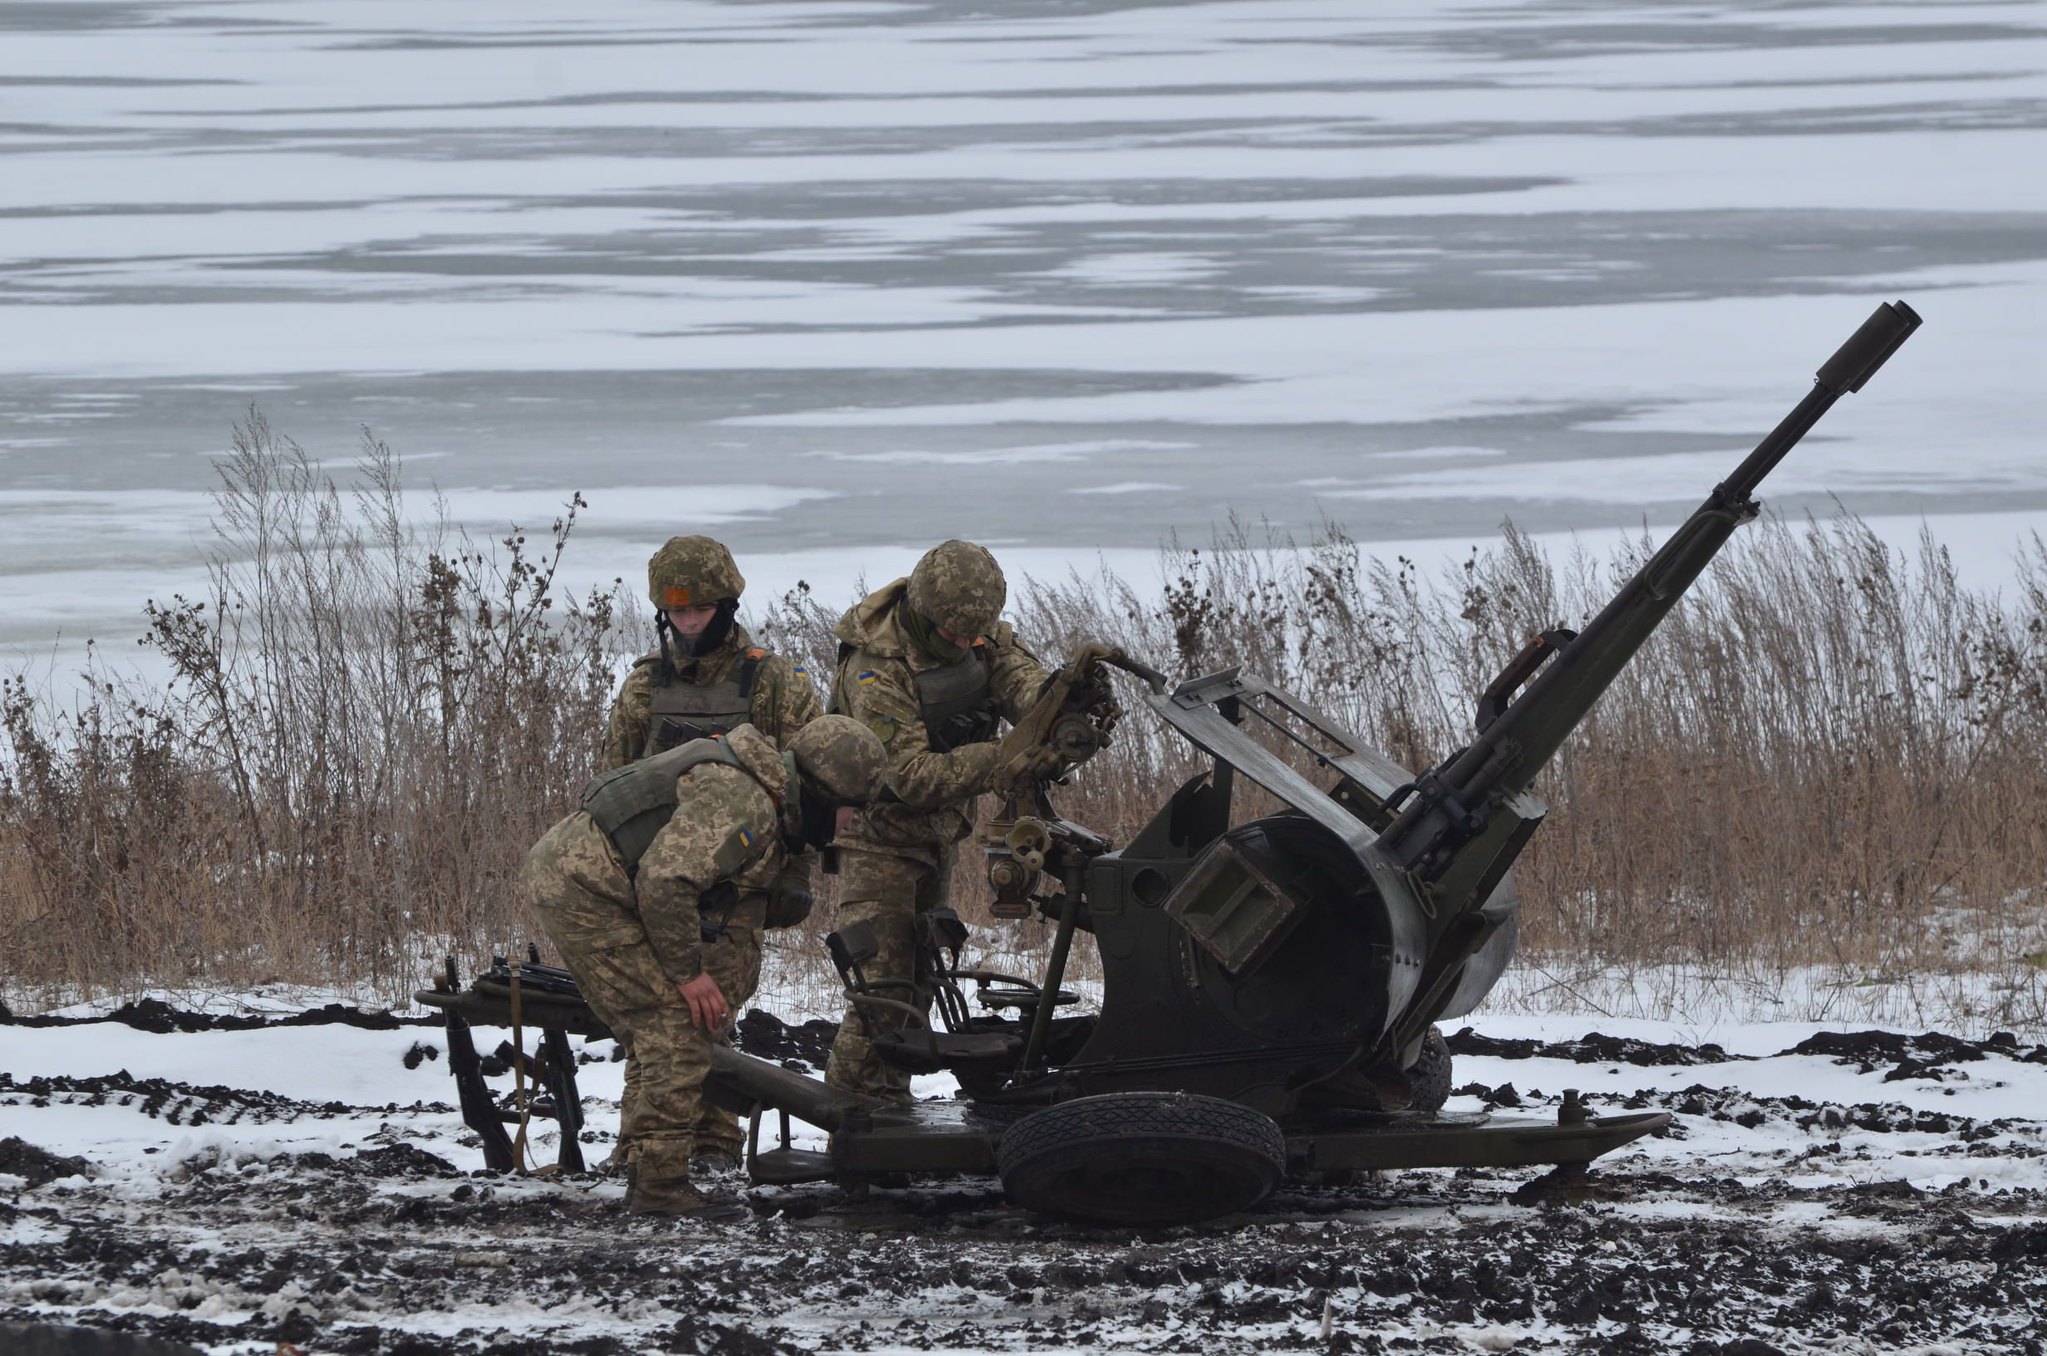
x,y
928,665
654,893
708,675
706,678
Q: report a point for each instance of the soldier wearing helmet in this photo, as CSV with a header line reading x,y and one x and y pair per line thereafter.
x,y
928,665
707,675
706,678
654,892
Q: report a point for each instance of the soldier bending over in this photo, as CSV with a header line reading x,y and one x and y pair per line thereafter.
x,y
654,893
706,678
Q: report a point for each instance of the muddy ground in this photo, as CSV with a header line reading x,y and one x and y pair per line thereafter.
x,y
1684,1245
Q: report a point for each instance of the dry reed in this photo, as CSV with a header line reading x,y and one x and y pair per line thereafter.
x,y
1832,755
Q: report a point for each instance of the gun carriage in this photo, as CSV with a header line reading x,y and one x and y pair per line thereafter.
x,y
1270,989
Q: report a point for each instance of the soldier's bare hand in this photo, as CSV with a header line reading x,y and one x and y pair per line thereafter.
x,y
707,1006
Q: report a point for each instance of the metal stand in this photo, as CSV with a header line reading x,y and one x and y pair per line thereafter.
x,y
552,1066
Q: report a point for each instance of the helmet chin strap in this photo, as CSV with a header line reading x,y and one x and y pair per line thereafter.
x,y
663,632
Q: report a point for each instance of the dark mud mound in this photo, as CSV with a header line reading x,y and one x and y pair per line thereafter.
x,y
398,1160
1591,1048
18,1158
155,1015
188,1103
1931,1055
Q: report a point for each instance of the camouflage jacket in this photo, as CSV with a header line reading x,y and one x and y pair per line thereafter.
x,y
932,793
728,826
784,699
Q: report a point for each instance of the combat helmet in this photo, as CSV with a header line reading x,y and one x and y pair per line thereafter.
x,y
959,586
693,572
842,757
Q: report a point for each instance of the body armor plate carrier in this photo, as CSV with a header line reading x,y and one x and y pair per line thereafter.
x,y
678,711
633,803
957,703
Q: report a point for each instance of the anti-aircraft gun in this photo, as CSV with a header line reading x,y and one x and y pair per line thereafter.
x,y
1270,988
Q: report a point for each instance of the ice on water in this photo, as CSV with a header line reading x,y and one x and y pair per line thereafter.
x,y
836,279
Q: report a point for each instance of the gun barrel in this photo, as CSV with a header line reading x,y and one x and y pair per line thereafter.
x,y
1518,738
1853,364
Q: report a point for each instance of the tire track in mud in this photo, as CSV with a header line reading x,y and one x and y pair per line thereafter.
x,y
396,1251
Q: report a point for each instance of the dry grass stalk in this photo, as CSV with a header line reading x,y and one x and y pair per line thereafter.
x,y
1832,755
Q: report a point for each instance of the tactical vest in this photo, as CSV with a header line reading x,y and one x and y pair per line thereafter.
x,y
633,803
678,712
957,702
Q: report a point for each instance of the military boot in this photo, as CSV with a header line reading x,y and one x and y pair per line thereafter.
x,y
661,1186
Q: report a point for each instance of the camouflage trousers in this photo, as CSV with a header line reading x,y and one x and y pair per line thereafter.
x,y
733,958
584,901
890,892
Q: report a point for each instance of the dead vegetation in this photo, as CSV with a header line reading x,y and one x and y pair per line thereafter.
x,y
1833,754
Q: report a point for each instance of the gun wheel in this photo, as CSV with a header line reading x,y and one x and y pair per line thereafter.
x,y
1142,1158
1430,1076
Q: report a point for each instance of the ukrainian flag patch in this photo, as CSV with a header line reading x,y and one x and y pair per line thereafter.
x,y
867,678
746,838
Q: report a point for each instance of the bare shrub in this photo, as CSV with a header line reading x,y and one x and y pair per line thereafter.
x,y
366,725
1830,756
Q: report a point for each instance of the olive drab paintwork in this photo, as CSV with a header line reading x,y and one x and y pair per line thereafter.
x,y
783,699
896,861
957,702
633,803
679,711
692,572
958,585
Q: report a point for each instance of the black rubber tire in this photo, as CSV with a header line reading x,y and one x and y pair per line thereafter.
x,y
1142,1158
58,1339
1429,1079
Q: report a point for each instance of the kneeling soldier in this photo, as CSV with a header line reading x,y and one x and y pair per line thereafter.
x,y
654,892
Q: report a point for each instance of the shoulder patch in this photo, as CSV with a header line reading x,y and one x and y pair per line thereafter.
x,y
739,848
884,728
866,677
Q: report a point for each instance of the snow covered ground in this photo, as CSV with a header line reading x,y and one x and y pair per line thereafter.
x,y
1823,1190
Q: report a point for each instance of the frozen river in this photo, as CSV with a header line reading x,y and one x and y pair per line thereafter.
x,y
834,280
